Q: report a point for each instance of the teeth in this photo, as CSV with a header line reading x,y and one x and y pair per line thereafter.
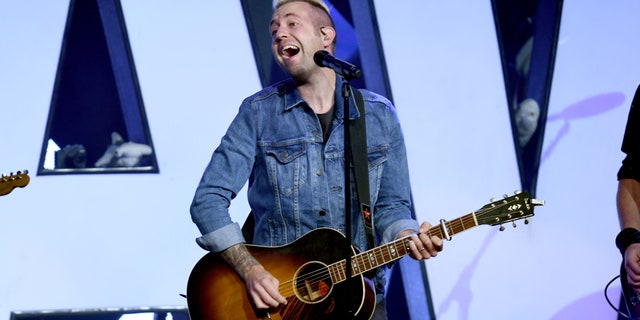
x,y
286,48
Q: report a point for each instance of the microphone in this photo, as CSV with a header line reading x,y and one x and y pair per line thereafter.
x,y
345,69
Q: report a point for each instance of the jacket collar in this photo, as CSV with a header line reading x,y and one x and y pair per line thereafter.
x,y
292,98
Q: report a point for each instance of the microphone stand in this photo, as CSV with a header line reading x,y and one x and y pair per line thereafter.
x,y
347,71
346,94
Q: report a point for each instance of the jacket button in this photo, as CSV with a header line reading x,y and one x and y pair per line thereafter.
x,y
319,172
322,213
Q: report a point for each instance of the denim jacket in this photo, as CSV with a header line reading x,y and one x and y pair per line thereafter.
x,y
296,182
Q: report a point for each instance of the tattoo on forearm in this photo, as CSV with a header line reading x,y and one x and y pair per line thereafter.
x,y
239,258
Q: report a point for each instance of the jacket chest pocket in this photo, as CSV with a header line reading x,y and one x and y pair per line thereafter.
x,y
376,162
287,167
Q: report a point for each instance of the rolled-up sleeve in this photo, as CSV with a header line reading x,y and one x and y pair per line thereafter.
x,y
222,238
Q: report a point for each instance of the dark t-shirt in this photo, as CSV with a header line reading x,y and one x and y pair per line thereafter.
x,y
631,142
325,121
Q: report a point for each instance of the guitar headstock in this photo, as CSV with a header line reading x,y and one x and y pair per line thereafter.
x,y
12,181
511,208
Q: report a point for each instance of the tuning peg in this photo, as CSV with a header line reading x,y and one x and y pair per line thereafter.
x,y
501,228
514,224
492,200
537,202
517,191
526,221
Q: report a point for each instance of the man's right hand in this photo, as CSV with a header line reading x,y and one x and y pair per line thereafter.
x,y
262,286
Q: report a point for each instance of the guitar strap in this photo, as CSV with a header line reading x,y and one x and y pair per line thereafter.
x,y
358,136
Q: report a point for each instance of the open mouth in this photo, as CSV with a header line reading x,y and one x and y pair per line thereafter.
x,y
289,51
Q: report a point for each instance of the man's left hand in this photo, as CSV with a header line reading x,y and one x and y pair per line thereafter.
x,y
422,246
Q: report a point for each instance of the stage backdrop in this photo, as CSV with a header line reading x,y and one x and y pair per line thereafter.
x,y
445,71
126,240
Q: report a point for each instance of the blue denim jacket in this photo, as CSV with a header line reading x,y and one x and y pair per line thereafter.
x,y
296,182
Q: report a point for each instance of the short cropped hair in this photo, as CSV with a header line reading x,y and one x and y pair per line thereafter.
x,y
317,4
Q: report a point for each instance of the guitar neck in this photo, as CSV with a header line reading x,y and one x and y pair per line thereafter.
x,y
371,259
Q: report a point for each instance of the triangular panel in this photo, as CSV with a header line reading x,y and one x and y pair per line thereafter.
x,y
527,33
97,121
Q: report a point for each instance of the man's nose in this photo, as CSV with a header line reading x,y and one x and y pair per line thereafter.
x,y
280,34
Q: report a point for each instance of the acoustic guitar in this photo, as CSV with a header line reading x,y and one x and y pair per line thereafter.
x,y
12,181
312,271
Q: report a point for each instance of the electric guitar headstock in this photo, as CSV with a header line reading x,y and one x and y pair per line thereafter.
x,y
12,181
511,208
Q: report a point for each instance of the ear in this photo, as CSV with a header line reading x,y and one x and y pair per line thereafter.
x,y
116,138
328,35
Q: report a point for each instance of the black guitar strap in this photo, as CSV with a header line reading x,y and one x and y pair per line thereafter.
x,y
358,136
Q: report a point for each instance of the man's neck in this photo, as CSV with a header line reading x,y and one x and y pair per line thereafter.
x,y
319,92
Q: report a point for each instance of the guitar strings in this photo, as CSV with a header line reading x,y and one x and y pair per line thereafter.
x,y
324,273
315,277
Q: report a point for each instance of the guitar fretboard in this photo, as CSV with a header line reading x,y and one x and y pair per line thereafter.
x,y
397,249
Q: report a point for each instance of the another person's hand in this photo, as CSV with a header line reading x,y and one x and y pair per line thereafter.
x,y
632,265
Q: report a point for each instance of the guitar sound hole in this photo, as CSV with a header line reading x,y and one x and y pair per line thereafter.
x,y
313,282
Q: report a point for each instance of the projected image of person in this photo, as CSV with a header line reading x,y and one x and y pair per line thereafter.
x,y
287,141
